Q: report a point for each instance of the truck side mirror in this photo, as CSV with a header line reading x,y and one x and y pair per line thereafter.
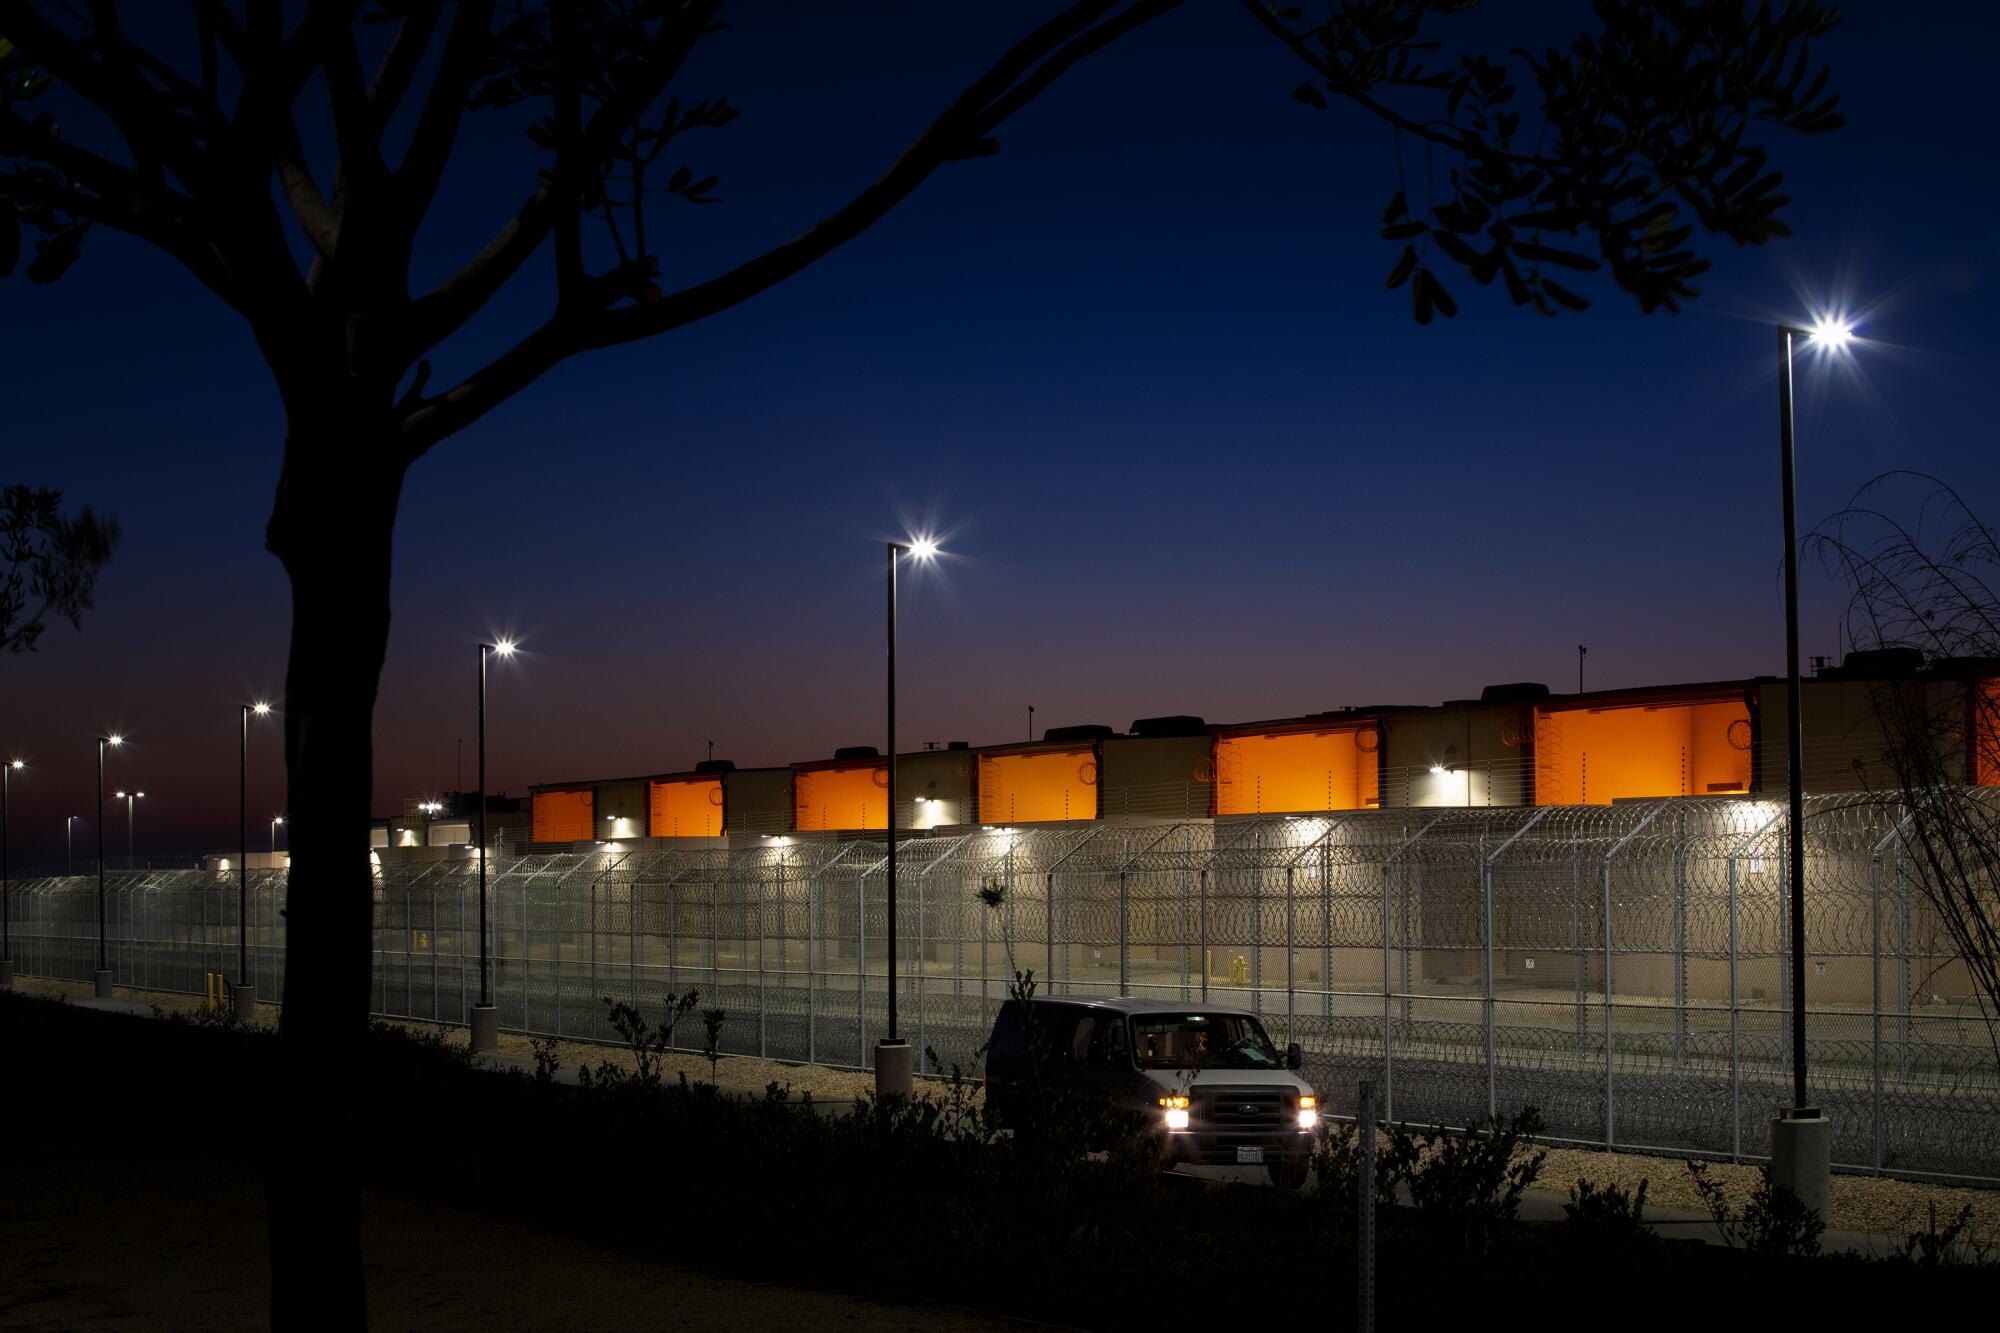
x,y
1295,1056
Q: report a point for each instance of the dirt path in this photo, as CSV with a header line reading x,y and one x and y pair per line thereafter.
x,y
179,1245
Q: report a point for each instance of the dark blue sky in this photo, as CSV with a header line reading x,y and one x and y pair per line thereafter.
x,y
1140,367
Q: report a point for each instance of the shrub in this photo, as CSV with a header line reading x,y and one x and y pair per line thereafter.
x,y
1944,1246
1606,1218
1775,1221
1468,1182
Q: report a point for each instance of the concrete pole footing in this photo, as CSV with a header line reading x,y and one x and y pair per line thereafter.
x,y
102,977
892,1069
485,1029
6,974
1801,1157
245,997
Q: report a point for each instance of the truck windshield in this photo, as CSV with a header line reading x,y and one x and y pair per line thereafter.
x,y
1202,1041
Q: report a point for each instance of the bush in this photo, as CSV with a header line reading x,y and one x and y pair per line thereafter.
x,y
1606,1218
1466,1183
1946,1246
1775,1221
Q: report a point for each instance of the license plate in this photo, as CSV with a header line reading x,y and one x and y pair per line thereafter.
x,y
1249,1157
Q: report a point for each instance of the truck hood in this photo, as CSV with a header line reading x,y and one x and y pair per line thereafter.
x,y
1172,1081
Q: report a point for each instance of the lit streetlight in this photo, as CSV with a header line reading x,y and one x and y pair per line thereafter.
x,y
485,1018
130,798
1800,1136
892,1053
277,822
7,772
69,844
245,994
102,978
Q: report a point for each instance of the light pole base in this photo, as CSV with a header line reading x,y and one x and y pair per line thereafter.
x,y
1801,1139
245,998
103,979
892,1069
6,974
485,1029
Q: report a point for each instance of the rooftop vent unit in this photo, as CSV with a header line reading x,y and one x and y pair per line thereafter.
x,y
1092,732
958,745
716,766
1519,692
1180,724
857,752
1879,662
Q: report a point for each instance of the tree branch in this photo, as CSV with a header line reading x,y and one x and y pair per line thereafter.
x,y
437,126
399,66
1064,39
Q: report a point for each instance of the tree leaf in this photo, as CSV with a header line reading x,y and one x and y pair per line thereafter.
x,y
1563,296
1402,231
1397,207
1309,95
1404,267
10,240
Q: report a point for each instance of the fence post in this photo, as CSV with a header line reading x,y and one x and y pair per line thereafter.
x,y
1610,1085
1291,952
1124,936
1049,923
1875,1007
434,951
1201,951
1680,938
1326,934
409,953
1364,1212
1576,943
556,988
861,968
1486,983
527,953
763,998
812,968
463,1007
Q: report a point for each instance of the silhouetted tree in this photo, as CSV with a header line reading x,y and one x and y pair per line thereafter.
x,y
1920,576
209,160
50,563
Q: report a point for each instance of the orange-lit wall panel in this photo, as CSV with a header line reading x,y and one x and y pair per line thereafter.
x,y
1297,771
1037,787
685,808
1586,756
841,798
565,816
1986,733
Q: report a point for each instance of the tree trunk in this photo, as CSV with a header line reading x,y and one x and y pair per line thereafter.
x,y
332,527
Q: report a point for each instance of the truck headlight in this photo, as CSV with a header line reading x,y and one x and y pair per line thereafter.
x,y
1176,1109
1308,1111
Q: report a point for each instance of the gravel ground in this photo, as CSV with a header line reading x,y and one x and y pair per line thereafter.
x,y
1873,1205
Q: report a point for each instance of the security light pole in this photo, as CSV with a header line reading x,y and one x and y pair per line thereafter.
x,y
245,993
485,1018
6,921
69,845
102,977
1800,1158
892,1053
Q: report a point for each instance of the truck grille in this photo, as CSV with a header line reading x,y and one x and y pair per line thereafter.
x,y
1249,1109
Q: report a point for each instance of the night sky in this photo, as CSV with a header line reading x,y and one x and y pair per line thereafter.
x,y
1139,371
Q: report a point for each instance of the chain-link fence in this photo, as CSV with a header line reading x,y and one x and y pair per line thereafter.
x,y
1625,969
